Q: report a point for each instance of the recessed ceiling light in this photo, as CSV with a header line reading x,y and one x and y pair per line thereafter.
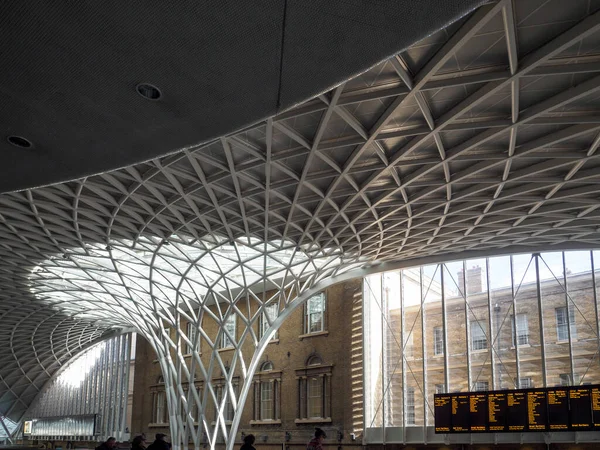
x,y
148,91
19,141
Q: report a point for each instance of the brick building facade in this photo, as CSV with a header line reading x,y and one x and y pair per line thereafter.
x,y
310,375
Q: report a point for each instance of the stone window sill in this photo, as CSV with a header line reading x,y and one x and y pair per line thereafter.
x,y
316,334
317,420
226,349
274,341
521,346
265,422
158,425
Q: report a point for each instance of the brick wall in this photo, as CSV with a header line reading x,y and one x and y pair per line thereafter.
x,y
339,346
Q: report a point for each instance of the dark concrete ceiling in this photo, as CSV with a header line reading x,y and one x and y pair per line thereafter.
x,y
70,69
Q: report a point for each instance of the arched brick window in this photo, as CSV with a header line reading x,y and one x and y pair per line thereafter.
x,y
314,391
267,395
159,404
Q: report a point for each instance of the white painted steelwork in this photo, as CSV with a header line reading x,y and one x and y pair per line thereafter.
x,y
481,139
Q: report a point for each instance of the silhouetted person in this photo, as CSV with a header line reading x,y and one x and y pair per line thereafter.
x,y
110,444
316,443
159,443
138,443
248,442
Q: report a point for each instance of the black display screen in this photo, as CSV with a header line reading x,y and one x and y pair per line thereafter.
x,y
443,413
574,408
516,411
478,412
460,413
497,411
558,409
595,394
537,416
580,404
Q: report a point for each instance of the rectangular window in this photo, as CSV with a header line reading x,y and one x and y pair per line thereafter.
x,y
520,330
219,398
194,407
565,380
230,327
315,314
525,383
191,335
410,406
478,335
270,312
562,328
228,410
438,341
481,386
315,398
266,400
160,407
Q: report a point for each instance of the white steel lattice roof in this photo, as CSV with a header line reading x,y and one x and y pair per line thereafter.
x,y
481,138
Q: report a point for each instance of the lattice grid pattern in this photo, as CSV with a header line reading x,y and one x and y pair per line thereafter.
x,y
481,138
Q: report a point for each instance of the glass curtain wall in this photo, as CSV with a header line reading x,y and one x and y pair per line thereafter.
x,y
94,383
7,427
509,322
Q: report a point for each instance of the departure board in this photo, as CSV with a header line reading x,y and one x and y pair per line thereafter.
x,y
460,413
516,411
562,408
497,411
537,416
478,412
558,409
595,394
580,404
443,413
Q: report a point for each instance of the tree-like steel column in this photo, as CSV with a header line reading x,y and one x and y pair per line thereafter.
x,y
205,284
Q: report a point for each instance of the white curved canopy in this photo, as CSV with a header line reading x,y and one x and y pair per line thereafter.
x,y
482,137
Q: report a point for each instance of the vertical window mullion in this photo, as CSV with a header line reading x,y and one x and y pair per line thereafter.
x,y
299,408
154,406
257,388
304,400
274,401
323,395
